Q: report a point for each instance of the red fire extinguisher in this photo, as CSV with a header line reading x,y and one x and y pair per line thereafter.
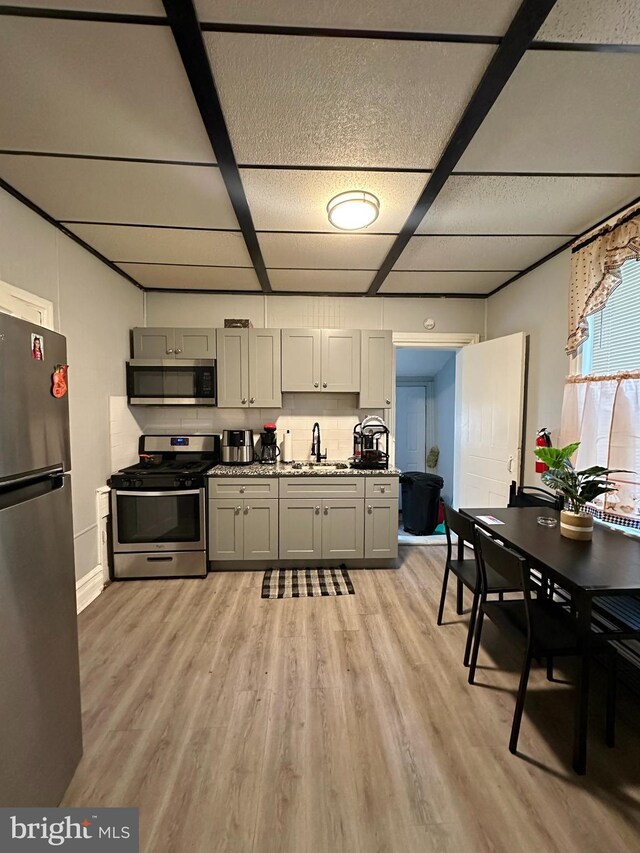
x,y
543,439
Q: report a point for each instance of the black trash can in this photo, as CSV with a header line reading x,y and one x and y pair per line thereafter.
x,y
420,499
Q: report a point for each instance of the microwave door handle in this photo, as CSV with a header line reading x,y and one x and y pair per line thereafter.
x,y
167,493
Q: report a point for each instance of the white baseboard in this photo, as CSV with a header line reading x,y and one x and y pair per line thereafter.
x,y
88,588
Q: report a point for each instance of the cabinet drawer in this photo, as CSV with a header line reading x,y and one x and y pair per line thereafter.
x,y
254,487
322,487
382,487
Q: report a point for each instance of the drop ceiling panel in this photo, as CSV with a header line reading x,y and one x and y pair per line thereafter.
x,y
114,191
321,281
562,112
525,204
443,282
482,17
193,278
97,88
129,7
342,102
595,21
165,245
288,200
475,253
325,251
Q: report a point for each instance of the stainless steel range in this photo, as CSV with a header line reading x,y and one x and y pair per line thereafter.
x,y
158,508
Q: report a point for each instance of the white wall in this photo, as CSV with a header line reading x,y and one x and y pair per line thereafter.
x,y
400,315
94,308
537,304
445,406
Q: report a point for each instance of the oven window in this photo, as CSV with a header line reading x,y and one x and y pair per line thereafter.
x,y
154,518
162,382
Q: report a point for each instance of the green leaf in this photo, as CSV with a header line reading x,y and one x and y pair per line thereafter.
x,y
557,457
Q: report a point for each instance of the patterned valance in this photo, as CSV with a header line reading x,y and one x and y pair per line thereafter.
x,y
595,274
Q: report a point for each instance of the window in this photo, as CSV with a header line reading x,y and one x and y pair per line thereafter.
x,y
613,344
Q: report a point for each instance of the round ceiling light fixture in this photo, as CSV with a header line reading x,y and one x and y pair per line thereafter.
x,y
353,210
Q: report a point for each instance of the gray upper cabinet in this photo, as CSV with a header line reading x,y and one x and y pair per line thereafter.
x,y
195,343
232,366
248,367
154,343
376,371
165,343
320,360
340,360
301,356
265,384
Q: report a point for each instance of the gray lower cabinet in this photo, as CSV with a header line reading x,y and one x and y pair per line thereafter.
x,y
381,528
166,342
243,529
225,530
300,529
342,529
321,529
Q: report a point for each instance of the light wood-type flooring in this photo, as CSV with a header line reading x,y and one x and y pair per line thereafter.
x,y
335,724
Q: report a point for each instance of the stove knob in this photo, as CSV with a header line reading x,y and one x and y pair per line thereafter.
x,y
126,484
188,483
137,483
177,481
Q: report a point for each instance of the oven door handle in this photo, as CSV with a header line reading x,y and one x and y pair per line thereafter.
x,y
166,493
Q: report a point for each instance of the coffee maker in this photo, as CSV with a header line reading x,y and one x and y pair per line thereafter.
x,y
370,444
269,450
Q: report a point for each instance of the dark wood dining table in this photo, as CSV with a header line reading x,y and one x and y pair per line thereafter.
x,y
608,565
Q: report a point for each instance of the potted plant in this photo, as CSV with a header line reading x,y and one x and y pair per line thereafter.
x,y
578,488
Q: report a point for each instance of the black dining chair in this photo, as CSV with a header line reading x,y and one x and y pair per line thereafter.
x,y
533,496
549,630
465,571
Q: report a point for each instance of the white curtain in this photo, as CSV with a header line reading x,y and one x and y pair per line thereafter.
x,y
603,414
595,274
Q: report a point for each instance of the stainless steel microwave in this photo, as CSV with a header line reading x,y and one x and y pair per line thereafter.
x,y
171,382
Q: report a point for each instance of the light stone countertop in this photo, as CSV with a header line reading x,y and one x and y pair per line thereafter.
x,y
287,469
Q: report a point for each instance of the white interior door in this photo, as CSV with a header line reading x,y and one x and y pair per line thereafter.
x,y
489,420
411,427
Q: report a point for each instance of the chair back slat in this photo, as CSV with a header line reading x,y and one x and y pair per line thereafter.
x,y
507,563
459,524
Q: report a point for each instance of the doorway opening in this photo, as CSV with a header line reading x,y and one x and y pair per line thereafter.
x,y
425,380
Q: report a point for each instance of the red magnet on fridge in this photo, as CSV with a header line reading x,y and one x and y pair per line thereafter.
x,y
59,380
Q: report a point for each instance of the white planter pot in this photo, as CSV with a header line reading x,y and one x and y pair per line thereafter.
x,y
576,525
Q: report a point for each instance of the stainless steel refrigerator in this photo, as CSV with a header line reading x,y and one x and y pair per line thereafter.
x,y
40,725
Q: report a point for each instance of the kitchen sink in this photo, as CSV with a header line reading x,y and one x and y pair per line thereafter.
x,y
309,466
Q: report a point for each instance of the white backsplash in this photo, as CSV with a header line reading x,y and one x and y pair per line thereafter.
x,y
337,414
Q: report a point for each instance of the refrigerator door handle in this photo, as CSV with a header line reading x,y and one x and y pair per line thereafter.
x,y
32,477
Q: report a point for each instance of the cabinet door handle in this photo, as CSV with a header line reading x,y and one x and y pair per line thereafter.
x,y
317,510
247,509
244,401
242,489
316,384
169,351
326,510
238,510
178,351
383,489
324,384
370,508
252,399
388,402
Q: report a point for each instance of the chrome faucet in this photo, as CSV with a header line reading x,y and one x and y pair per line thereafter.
x,y
315,443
